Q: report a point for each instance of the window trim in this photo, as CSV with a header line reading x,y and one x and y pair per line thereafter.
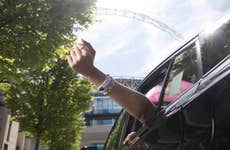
x,y
199,59
165,83
180,51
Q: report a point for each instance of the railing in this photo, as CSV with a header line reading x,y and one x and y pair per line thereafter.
x,y
103,111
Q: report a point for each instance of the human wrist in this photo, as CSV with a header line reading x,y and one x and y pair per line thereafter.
x,y
90,72
107,85
96,76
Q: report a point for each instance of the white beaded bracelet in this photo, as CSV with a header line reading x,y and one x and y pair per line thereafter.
x,y
107,85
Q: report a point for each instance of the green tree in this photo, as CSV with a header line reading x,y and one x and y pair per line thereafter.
x,y
31,30
34,35
49,104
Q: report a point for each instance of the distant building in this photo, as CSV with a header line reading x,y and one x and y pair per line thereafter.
x,y
27,143
10,138
8,130
102,116
100,120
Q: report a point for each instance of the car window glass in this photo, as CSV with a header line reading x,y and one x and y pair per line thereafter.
x,y
152,89
183,75
113,141
154,93
157,81
167,136
215,46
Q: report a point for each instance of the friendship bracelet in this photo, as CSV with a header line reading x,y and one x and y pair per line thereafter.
x,y
107,85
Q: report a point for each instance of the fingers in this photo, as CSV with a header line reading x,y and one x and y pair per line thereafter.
x,y
77,51
129,138
85,48
70,61
88,47
81,49
74,57
81,55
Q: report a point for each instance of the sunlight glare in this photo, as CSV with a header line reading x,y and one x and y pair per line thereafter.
x,y
198,2
212,27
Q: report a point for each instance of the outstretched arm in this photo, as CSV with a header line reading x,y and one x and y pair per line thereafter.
x,y
81,60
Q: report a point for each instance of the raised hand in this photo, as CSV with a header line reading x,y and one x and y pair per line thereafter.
x,y
81,58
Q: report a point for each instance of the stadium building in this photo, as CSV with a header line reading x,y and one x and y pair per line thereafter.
x,y
102,116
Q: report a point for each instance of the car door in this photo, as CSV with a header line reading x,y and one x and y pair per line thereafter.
x,y
165,133
183,71
215,50
196,114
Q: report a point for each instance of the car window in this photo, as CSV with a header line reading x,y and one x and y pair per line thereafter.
x,y
215,46
183,74
154,91
166,135
114,140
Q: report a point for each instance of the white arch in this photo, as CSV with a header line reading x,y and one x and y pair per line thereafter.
x,y
141,17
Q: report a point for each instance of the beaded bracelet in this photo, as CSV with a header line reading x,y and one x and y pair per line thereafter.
x,y
107,85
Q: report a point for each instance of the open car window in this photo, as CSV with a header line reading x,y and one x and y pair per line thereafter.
x,y
114,138
165,135
154,93
183,74
156,83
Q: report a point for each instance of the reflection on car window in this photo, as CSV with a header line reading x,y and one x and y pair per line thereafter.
x,y
166,137
215,46
113,141
183,74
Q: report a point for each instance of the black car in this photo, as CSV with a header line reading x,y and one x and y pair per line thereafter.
x,y
191,89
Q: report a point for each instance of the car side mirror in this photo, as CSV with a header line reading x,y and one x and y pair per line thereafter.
x,y
88,148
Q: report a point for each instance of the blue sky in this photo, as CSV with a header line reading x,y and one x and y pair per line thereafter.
x,y
127,47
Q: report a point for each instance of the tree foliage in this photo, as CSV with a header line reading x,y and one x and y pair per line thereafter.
x,y
41,92
49,104
31,30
